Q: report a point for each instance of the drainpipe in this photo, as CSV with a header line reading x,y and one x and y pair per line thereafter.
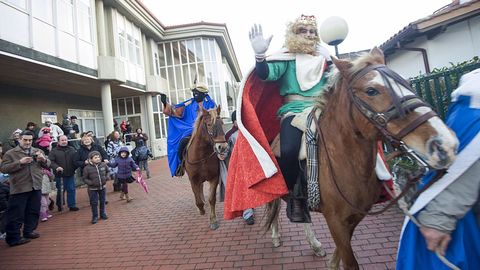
x,y
424,54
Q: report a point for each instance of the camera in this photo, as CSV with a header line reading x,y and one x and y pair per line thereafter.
x,y
34,156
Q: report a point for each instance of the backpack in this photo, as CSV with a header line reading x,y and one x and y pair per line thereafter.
x,y
141,153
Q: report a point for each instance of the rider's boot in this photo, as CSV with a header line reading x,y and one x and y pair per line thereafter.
x,y
180,171
297,204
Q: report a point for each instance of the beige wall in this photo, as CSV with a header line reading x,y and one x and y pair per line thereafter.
x,y
21,105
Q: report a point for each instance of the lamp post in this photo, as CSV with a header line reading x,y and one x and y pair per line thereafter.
x,y
333,31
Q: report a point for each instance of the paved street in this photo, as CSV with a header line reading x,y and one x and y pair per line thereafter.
x,y
163,230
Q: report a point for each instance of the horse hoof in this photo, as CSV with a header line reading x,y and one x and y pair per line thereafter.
x,y
320,253
276,242
214,226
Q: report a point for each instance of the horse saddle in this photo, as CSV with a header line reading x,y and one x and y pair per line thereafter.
x,y
301,122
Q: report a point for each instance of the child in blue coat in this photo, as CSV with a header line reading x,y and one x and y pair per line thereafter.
x,y
125,166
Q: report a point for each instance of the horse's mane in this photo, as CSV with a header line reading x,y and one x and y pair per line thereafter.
x,y
334,77
198,121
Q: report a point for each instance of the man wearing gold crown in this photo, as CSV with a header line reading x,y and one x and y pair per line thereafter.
x,y
180,124
280,88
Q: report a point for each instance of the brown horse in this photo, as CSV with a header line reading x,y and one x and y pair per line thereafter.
x,y
201,161
366,101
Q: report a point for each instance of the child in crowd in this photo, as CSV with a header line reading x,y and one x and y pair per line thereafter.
x,y
125,166
44,141
95,175
141,155
48,177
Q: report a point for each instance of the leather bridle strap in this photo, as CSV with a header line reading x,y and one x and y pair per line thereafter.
x,y
416,123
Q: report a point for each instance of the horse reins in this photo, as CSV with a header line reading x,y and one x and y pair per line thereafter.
x,y
400,108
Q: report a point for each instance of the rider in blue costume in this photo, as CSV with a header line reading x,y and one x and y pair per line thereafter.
x,y
180,124
449,210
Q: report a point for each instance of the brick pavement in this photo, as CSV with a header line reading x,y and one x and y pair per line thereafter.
x,y
163,230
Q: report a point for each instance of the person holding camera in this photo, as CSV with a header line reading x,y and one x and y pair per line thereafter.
x,y
24,164
62,158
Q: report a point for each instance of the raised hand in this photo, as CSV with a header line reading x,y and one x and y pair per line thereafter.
x,y
259,43
163,99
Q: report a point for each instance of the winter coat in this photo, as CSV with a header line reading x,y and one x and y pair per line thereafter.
x,y
55,131
4,195
63,156
113,147
82,155
125,165
23,177
141,153
46,181
140,141
44,141
95,176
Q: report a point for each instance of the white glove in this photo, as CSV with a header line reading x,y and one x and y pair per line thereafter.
x,y
259,43
322,51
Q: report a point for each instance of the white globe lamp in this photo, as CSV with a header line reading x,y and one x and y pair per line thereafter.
x,y
333,31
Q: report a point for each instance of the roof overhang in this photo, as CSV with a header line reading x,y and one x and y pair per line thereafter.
x,y
431,25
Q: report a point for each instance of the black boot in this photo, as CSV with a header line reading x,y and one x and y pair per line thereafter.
x,y
297,210
297,203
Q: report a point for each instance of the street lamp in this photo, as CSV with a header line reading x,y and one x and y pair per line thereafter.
x,y
333,31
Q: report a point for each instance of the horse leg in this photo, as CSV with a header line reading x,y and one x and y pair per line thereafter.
x,y
275,233
199,199
312,240
212,200
342,231
334,262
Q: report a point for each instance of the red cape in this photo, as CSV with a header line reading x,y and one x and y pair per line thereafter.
x,y
254,179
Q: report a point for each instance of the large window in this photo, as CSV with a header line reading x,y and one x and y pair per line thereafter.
x,y
181,62
61,28
159,119
128,48
89,121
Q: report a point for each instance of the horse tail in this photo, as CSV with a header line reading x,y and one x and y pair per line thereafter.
x,y
271,213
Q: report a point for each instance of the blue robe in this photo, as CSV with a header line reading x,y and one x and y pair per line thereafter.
x,y
179,128
464,248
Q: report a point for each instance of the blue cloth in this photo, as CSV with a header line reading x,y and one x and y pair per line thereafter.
x,y
179,128
464,249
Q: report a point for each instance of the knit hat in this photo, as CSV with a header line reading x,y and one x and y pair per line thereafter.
x,y
94,153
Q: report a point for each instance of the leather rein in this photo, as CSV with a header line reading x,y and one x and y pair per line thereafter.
x,y
399,109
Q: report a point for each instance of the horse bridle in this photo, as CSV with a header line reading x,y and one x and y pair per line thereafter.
x,y
211,137
399,108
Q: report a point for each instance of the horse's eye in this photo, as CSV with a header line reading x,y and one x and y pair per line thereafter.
x,y
372,92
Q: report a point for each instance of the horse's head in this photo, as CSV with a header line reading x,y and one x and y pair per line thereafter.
x,y
213,125
380,102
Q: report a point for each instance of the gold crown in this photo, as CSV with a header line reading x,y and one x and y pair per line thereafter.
x,y
307,20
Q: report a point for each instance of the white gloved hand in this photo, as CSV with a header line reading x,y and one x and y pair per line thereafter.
x,y
259,43
322,51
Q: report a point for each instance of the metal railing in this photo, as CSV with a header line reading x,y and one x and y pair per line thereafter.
x,y
436,88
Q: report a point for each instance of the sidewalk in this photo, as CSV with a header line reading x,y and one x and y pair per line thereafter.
x,y
163,230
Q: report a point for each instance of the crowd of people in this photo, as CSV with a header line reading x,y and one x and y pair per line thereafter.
x,y
35,158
